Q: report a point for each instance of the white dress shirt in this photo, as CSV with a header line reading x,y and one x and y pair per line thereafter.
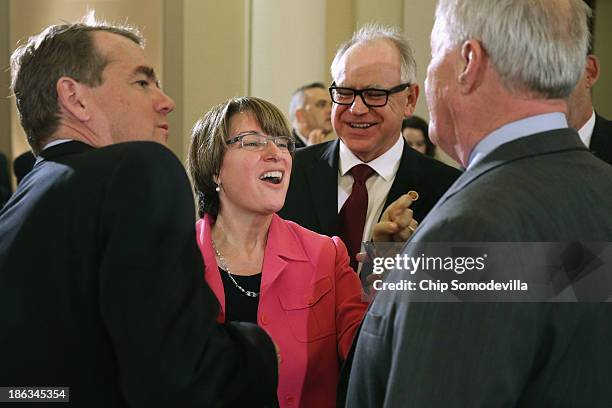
x,y
586,131
385,167
514,131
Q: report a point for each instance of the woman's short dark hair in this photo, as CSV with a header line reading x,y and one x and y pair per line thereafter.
x,y
208,145
418,123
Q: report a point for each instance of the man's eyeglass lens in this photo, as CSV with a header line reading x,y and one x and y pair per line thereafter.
x,y
371,97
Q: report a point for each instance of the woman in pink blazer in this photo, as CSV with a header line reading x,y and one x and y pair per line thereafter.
x,y
294,283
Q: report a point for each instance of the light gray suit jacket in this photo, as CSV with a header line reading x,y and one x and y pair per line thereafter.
x,y
543,188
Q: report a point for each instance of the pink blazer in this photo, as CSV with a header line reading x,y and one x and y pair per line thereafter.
x,y
310,303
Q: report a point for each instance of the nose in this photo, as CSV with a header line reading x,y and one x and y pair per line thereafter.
x,y
271,151
165,104
359,107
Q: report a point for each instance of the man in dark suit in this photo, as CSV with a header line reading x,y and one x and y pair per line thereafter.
x,y
23,164
310,114
528,178
594,130
101,281
373,90
601,139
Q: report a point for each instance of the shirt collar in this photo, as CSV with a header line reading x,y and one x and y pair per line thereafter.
x,y
384,165
516,130
51,144
56,142
586,131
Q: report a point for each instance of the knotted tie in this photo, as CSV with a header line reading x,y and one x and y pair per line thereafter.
x,y
353,212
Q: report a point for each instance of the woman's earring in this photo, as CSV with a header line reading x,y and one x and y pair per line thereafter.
x,y
218,188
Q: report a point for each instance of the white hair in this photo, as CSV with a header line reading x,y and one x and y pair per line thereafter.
x,y
374,32
536,46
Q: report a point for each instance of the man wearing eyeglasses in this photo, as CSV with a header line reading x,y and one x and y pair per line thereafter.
x,y
342,187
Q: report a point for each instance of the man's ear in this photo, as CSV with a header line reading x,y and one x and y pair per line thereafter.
x,y
592,70
413,96
474,60
299,115
71,96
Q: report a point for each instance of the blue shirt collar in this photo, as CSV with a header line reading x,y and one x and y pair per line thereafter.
x,y
516,130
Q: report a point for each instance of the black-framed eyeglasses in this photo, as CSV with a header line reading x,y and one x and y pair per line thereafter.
x,y
254,142
371,97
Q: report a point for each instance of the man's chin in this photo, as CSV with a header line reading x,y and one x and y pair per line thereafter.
x,y
162,140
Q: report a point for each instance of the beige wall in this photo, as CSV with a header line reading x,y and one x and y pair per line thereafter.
x,y
214,57
388,12
287,47
418,22
340,24
602,92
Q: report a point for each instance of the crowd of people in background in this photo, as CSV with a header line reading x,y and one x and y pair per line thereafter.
x,y
130,301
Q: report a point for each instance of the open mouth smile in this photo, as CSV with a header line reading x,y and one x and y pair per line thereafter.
x,y
273,177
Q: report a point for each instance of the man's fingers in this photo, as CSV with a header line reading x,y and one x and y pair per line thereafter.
x,y
405,233
403,219
383,231
316,136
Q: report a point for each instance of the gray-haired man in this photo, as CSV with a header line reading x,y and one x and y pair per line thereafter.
x,y
496,89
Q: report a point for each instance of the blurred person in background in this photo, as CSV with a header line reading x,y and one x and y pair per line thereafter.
x,y
416,132
310,114
595,131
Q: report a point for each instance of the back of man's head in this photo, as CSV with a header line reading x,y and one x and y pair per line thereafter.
x,y
59,50
537,47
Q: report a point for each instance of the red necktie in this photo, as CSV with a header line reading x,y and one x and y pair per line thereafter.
x,y
353,212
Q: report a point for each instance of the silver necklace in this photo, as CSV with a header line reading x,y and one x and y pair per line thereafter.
x,y
224,266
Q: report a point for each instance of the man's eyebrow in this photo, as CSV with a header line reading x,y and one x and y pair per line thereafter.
x,y
147,71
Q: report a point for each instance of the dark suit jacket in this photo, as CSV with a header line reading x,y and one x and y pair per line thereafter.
x,y
498,354
23,164
601,140
102,288
312,199
298,142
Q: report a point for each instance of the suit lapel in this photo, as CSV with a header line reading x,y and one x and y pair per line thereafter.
x,y
407,178
65,148
601,139
211,274
282,245
322,179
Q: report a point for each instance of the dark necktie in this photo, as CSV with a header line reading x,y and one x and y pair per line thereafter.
x,y
353,212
